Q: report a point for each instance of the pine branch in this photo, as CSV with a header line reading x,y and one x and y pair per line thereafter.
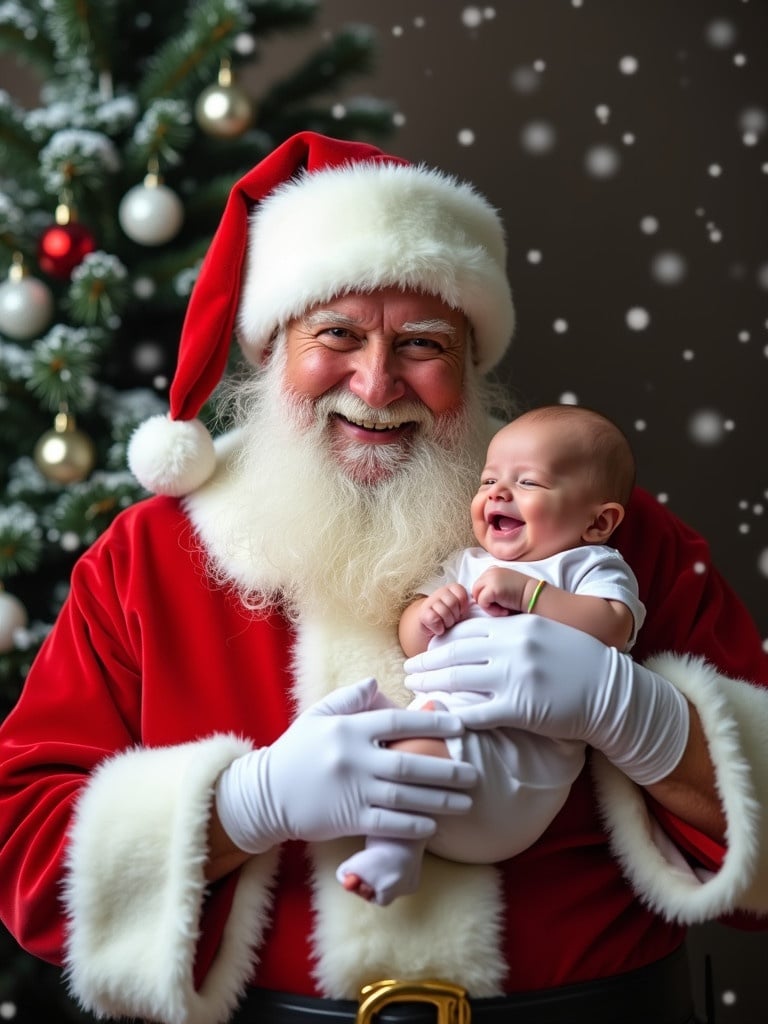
x,y
87,509
17,147
192,57
163,134
271,17
348,53
225,163
99,290
63,365
83,27
20,541
173,273
23,34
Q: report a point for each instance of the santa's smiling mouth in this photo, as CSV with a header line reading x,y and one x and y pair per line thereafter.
x,y
377,426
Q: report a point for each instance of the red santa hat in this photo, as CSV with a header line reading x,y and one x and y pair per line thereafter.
x,y
318,218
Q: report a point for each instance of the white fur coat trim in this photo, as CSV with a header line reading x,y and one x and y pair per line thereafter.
x,y
135,888
734,716
418,936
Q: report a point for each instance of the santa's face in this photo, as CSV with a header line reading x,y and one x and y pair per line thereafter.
x,y
359,446
376,367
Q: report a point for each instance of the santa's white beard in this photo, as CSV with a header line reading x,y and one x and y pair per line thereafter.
x,y
359,529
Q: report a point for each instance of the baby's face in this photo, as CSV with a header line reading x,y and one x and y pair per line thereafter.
x,y
535,496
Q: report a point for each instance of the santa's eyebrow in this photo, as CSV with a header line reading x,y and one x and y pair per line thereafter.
x,y
430,327
322,316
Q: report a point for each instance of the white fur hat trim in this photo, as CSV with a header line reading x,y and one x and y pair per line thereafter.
x,y
365,226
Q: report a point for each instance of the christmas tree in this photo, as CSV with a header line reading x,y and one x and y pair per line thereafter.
x,y
110,191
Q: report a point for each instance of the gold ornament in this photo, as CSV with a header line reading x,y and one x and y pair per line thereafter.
x,y
222,109
65,454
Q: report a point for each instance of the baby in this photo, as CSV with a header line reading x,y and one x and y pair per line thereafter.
x,y
554,488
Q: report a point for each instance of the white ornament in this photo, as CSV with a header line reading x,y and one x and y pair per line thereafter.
x,y
26,305
13,616
150,213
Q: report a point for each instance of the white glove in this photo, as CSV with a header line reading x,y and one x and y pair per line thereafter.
x,y
328,775
556,681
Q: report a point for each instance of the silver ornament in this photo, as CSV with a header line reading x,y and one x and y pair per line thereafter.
x,y
13,616
150,213
26,305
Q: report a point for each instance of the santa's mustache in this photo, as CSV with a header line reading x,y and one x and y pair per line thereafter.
x,y
350,407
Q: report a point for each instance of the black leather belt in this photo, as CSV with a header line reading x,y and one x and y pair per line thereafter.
x,y
657,994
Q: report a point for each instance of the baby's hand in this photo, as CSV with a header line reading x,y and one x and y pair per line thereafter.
x,y
499,591
444,608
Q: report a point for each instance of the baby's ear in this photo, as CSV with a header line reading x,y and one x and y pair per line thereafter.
x,y
607,517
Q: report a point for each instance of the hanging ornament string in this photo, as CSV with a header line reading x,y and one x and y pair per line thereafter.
x,y
106,85
26,303
223,109
151,213
63,246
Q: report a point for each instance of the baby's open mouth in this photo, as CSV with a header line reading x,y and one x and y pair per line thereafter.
x,y
505,524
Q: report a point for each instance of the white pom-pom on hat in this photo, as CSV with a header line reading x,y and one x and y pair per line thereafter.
x,y
171,457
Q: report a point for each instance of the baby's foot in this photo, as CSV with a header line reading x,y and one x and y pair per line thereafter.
x,y
354,883
384,870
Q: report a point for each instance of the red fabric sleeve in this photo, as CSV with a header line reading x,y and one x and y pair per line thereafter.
x,y
135,659
691,609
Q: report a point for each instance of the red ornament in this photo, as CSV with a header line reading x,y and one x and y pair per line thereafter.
x,y
62,247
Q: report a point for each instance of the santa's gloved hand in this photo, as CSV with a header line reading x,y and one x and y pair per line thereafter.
x,y
559,682
329,775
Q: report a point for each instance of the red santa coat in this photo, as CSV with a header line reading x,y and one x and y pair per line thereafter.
x,y
155,678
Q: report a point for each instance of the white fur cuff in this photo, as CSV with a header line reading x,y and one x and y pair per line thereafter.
x,y
734,716
136,885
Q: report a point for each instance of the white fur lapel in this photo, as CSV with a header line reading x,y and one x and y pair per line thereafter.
x,y
458,939
424,935
450,928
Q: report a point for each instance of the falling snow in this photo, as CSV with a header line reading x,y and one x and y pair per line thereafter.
x,y
629,158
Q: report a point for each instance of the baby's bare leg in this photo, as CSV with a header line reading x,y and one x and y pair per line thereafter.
x,y
422,745
396,850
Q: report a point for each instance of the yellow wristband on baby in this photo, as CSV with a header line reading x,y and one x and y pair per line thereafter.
x,y
535,595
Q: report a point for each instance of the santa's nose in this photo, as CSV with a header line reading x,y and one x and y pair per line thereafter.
x,y
374,377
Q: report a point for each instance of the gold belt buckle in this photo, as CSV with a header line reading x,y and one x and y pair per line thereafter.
x,y
451,1000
